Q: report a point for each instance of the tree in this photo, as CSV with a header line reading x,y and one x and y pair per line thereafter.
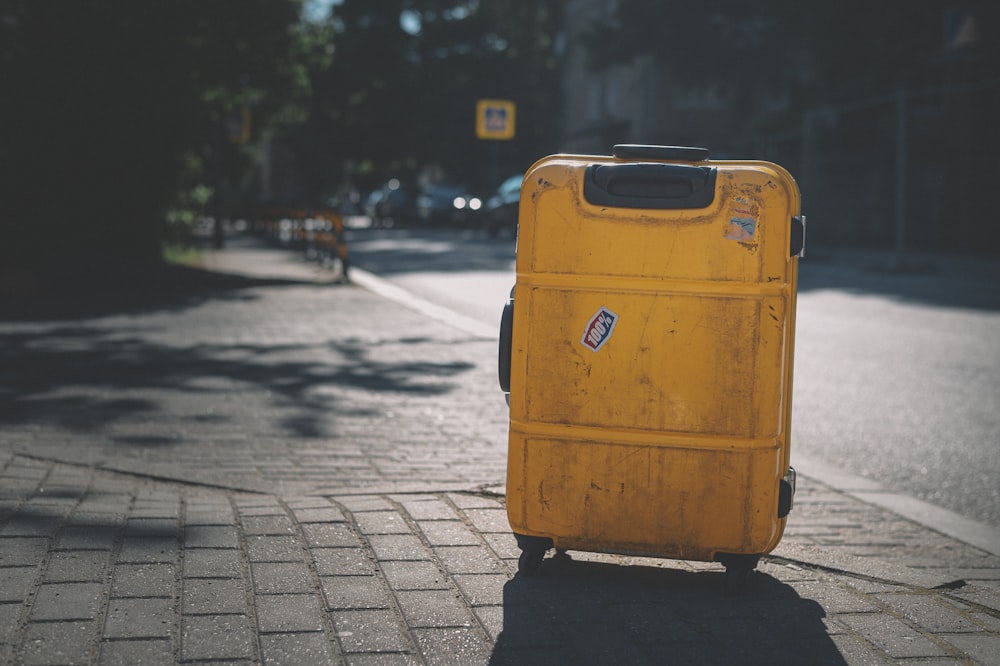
x,y
402,88
829,51
112,98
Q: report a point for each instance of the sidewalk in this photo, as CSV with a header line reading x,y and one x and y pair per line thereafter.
x,y
292,471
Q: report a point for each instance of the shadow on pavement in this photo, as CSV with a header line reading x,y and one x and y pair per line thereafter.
x,y
596,613
83,379
70,296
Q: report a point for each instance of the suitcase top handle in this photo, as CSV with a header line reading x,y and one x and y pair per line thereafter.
x,y
650,185
638,151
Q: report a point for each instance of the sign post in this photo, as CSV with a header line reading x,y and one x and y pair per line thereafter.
x,y
495,119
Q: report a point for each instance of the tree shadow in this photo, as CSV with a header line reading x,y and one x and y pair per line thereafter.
x,y
91,291
597,613
84,379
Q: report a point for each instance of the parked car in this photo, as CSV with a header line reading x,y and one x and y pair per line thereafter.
x,y
444,204
391,205
500,210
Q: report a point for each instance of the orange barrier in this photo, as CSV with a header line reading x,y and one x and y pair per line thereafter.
x,y
318,233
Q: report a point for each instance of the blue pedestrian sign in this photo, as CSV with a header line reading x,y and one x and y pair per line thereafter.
x,y
495,119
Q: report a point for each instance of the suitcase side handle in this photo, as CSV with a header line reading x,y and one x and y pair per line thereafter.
x,y
649,185
506,343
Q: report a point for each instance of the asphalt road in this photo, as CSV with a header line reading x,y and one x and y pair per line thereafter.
x,y
897,363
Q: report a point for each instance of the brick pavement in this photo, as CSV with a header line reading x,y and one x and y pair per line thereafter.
x,y
296,471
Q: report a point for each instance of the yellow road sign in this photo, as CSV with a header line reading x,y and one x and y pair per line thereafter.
x,y
495,119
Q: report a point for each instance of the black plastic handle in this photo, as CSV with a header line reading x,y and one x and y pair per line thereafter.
x,y
649,185
506,343
638,151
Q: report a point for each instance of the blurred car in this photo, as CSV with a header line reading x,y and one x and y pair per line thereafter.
x,y
391,205
443,204
500,210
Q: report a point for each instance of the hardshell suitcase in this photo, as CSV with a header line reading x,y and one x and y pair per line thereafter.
x,y
647,350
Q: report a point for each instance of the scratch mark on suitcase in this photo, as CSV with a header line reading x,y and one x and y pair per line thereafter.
x,y
541,495
594,486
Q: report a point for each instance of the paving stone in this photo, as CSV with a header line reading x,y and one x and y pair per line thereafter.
x,y
989,622
370,631
985,649
360,503
983,593
22,551
329,514
330,535
382,522
67,601
148,550
929,613
275,549
355,593
139,618
298,648
16,583
382,659
454,646
284,613
137,653
257,508
448,533
216,637
268,526
897,639
75,566
836,599
489,520
100,515
482,589
87,538
504,545
60,643
167,508
398,547
9,613
414,576
213,563
31,526
143,580
281,577
211,536
343,562
434,608
468,560
213,596
208,517
427,507
152,527
470,501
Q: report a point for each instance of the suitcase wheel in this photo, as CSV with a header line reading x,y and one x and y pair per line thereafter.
x,y
738,568
533,551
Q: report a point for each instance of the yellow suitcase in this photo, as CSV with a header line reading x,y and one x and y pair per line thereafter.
x,y
647,352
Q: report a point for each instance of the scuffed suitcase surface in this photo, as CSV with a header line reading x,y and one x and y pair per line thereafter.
x,y
651,361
